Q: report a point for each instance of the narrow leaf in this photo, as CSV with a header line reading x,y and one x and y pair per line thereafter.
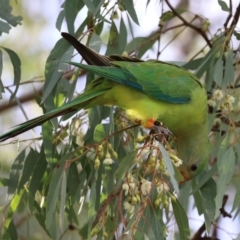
x,y
62,201
113,41
125,165
236,34
226,166
229,69
61,51
99,133
12,230
129,7
181,219
16,62
60,19
53,192
218,72
72,8
169,166
6,14
36,179
15,173
224,6
122,36
28,167
1,68
208,192
4,27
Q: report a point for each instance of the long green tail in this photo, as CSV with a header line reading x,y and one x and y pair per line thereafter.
x,y
77,104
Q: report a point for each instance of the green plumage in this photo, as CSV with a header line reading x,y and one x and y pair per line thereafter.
x,y
147,90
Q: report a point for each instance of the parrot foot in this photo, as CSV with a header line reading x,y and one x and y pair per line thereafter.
x,y
161,132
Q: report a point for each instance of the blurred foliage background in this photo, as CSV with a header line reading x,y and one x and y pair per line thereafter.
x,y
52,187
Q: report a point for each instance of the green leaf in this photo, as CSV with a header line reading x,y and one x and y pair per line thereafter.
x,y
99,133
4,27
36,179
12,230
236,202
15,173
237,238
1,68
60,19
5,13
209,76
209,192
224,6
73,180
150,225
229,70
184,194
226,166
98,5
28,167
16,62
169,166
99,28
135,43
93,201
53,192
62,201
210,56
204,177
122,36
181,219
218,72
125,165
95,42
47,130
60,52
193,64
198,199
113,46
236,34
129,7
39,213
90,6
72,8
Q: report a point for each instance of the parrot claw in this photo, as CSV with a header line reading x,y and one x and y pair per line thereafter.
x,y
161,132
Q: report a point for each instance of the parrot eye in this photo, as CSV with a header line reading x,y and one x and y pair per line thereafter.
x,y
194,167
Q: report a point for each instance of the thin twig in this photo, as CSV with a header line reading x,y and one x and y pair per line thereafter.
x,y
229,15
197,29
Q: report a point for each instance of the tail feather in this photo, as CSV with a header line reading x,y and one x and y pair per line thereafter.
x,y
90,56
77,104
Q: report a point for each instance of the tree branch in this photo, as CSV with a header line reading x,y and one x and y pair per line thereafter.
x,y
5,105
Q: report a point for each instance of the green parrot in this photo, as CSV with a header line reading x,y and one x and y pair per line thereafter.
x,y
150,91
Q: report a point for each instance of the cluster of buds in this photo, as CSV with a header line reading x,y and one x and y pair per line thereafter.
x,y
130,189
205,24
105,151
97,230
136,192
175,160
222,101
100,227
158,165
164,200
155,164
